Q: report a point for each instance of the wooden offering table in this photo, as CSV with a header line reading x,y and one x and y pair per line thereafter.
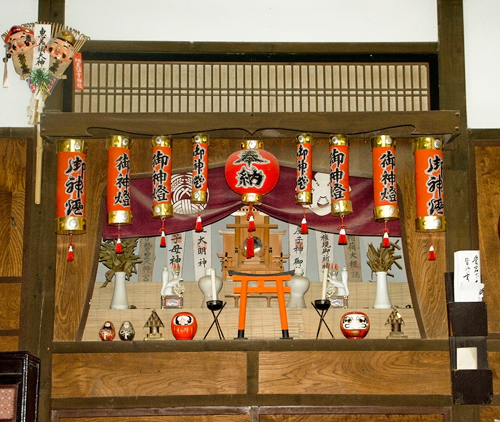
x,y
279,288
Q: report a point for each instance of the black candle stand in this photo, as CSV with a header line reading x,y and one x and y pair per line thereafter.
x,y
322,305
214,306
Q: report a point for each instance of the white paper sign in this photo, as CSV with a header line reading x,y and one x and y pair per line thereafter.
x,y
467,358
467,283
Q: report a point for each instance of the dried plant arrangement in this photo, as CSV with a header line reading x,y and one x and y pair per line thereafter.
x,y
382,259
119,262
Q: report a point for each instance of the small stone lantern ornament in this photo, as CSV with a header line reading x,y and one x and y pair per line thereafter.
x,y
396,321
252,172
154,323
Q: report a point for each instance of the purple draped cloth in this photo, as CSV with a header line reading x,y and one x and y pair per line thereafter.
x,y
279,203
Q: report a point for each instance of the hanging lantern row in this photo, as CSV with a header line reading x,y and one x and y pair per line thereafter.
x,y
118,187
385,196
199,184
70,197
303,189
341,204
428,155
251,172
162,182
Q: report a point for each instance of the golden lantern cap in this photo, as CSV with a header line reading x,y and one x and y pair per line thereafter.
x,y
305,138
427,142
162,141
383,141
118,141
201,138
339,140
252,144
72,145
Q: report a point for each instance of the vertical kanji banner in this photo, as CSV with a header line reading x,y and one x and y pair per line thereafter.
x,y
324,251
175,250
352,253
202,248
297,247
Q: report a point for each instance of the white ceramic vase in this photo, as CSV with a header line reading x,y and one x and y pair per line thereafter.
x,y
119,299
205,285
299,285
382,299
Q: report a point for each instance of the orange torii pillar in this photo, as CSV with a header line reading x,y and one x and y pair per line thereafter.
x,y
279,289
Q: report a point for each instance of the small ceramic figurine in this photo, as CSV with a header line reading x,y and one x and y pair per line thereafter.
x,y
127,331
171,286
184,326
107,332
337,287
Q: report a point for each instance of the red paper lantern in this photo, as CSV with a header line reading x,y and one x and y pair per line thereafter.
x,y
118,188
162,177
340,195
339,175
384,178
428,154
252,172
70,197
303,189
200,169
385,196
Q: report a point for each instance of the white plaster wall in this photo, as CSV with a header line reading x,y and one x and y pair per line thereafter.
x,y
14,100
256,20
482,53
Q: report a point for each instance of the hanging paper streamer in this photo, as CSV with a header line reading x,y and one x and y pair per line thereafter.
x,y
303,190
162,182
70,198
428,155
341,204
251,172
384,182
118,186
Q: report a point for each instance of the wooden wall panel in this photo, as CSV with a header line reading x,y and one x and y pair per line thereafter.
x,y
355,372
10,305
489,413
9,343
494,364
145,374
12,202
488,206
352,418
190,418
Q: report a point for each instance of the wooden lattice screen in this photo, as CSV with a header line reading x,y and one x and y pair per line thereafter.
x,y
163,87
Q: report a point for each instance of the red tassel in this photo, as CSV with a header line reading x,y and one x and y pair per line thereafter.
x,y
385,242
163,241
119,248
342,237
303,226
198,227
250,247
432,254
70,253
251,224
